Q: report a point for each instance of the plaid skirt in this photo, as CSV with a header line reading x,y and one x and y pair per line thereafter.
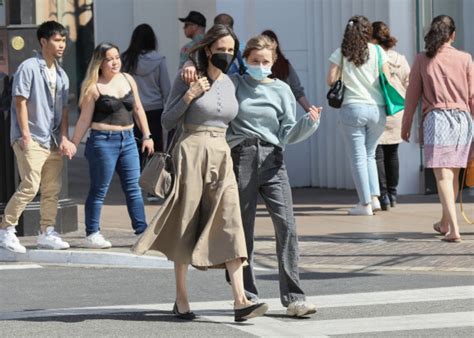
x,y
447,138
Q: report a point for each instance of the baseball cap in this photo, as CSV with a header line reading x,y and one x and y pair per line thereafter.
x,y
195,17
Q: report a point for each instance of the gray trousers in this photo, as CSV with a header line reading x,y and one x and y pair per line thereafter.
x,y
259,169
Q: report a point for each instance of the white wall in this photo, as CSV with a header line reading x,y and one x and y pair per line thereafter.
x,y
309,31
468,26
402,23
118,24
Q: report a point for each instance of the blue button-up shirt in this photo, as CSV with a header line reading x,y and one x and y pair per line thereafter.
x,y
44,113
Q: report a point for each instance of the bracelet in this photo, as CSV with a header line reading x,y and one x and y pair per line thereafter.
x,y
147,137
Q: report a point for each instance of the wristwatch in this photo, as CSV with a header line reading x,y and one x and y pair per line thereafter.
x,y
146,137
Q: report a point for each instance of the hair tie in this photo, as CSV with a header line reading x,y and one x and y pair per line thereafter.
x,y
351,23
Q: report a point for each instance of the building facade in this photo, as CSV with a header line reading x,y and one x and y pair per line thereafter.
x,y
309,31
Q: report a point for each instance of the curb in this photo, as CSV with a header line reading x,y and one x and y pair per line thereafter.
x,y
116,259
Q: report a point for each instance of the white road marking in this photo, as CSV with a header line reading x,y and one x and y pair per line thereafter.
x,y
221,311
20,266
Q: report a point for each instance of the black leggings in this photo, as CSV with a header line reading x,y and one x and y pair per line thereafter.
x,y
386,156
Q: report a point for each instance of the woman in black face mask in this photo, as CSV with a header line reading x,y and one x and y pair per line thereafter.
x,y
200,222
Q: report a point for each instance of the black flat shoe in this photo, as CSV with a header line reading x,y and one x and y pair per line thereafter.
x,y
186,315
254,310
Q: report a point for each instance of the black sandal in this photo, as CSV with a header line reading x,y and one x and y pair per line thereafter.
x,y
186,315
254,310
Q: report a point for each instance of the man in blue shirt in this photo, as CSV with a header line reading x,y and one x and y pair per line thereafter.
x,y
39,125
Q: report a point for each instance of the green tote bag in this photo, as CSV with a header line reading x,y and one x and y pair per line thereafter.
x,y
393,100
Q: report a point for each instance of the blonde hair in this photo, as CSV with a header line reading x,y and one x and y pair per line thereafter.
x,y
260,42
93,69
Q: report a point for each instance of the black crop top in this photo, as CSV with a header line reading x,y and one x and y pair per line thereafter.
x,y
114,111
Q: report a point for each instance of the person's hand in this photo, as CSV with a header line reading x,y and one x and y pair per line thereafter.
x,y
197,88
315,113
24,142
188,72
148,146
405,134
67,148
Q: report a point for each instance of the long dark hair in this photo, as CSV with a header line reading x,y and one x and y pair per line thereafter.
x,y
442,27
356,37
197,54
143,40
281,67
381,33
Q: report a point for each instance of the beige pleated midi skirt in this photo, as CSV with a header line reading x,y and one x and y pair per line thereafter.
x,y
200,222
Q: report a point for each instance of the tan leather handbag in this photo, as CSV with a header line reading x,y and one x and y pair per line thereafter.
x,y
157,176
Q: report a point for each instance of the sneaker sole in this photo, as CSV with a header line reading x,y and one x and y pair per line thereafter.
x,y
97,247
13,250
306,313
260,311
49,247
357,214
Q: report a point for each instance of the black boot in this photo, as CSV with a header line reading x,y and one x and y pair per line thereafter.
x,y
393,200
385,202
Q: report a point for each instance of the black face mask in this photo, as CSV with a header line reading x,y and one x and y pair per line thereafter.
x,y
222,61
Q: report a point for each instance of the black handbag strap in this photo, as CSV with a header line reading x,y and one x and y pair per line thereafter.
x,y
176,131
342,66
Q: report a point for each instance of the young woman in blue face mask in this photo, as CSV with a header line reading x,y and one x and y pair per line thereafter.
x,y
200,222
265,123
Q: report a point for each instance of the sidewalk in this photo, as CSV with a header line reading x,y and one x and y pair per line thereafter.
x,y
399,239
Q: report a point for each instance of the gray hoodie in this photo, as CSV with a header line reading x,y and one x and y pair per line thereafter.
x,y
152,80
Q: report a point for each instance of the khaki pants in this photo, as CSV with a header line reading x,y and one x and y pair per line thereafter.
x,y
39,168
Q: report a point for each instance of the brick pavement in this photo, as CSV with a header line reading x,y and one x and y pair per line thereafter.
x,y
400,239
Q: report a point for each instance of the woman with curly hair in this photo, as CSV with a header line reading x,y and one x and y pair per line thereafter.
x,y
443,78
386,154
362,117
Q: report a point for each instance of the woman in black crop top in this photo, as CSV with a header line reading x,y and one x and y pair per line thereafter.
x,y
109,105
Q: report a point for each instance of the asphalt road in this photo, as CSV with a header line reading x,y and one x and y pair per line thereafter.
x,y
59,301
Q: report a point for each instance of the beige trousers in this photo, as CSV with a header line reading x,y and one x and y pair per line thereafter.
x,y
40,170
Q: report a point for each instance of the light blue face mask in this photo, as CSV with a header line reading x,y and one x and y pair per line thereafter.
x,y
259,73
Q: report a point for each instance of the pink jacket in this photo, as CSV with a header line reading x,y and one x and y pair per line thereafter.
x,y
444,81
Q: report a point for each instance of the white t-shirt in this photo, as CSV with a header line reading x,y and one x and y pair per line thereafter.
x,y
362,83
52,77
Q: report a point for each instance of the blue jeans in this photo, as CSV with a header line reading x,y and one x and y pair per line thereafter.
x,y
362,125
107,152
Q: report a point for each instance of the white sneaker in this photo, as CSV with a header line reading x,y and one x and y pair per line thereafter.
x,y
50,240
361,210
300,308
376,204
9,241
96,241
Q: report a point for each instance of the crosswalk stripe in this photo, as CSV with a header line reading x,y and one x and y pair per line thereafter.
x,y
394,297
267,326
20,266
221,311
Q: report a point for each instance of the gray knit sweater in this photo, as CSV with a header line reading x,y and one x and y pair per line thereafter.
x,y
215,108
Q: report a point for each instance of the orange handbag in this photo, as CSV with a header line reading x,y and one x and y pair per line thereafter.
x,y
470,174
468,181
